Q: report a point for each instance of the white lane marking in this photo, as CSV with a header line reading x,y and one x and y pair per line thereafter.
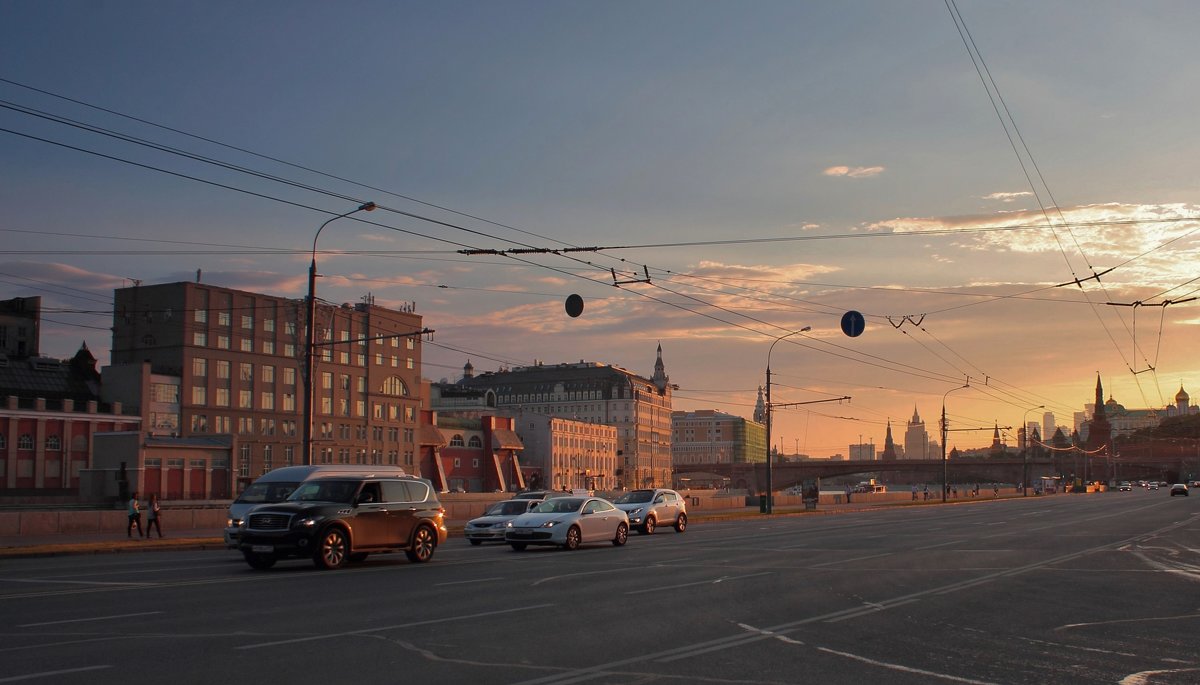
x,y
904,669
1193,617
871,608
377,629
84,620
469,582
50,674
626,569
847,561
768,633
699,582
940,544
43,581
1144,677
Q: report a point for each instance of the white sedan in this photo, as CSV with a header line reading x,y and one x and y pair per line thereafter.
x,y
569,522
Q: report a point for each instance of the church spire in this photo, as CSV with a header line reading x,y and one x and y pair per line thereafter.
x,y
660,377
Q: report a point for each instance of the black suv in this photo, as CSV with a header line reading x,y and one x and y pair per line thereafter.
x,y
344,518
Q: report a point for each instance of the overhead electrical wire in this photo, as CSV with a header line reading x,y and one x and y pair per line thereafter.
x,y
502,225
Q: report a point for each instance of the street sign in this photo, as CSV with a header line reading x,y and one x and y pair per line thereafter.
x,y
853,323
574,306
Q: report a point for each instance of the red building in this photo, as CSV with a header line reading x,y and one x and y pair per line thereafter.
x,y
470,453
49,418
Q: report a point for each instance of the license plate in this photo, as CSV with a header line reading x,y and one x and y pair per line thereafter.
x,y
262,549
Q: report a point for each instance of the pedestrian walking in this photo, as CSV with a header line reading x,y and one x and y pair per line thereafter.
x,y
152,516
914,492
135,516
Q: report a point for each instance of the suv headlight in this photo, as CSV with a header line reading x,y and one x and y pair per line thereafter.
x,y
233,523
635,512
309,521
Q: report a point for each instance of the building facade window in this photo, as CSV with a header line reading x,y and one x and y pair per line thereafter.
x,y
199,366
200,338
223,369
456,441
25,442
53,443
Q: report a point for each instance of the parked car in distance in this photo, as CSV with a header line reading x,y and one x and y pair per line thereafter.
x,y
568,522
1124,486
344,518
1179,489
491,526
1152,486
274,486
649,509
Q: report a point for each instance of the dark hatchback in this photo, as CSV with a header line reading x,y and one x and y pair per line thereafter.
x,y
343,519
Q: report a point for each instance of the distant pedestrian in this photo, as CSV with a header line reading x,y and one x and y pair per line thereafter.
x,y
135,516
848,491
914,492
152,516
926,489
995,489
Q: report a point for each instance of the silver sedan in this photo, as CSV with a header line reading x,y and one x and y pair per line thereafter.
x,y
491,526
569,522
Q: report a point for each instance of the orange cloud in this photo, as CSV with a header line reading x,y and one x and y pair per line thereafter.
x,y
854,171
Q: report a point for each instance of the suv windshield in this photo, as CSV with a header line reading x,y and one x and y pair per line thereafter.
x,y
266,493
339,491
634,497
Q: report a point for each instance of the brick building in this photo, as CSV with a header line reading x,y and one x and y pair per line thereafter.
x,y
238,357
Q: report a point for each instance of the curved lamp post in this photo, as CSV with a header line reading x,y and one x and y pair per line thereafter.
x,y
1025,461
311,336
946,464
770,500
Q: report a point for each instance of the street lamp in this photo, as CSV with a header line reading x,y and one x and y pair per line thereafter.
x,y
1025,464
945,464
770,504
311,336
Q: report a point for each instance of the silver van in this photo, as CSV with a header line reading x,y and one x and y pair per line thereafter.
x,y
275,486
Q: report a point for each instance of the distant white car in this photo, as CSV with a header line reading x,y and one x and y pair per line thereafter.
x,y
491,526
568,522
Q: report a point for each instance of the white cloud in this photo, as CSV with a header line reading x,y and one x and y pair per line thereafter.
x,y
854,171
1008,196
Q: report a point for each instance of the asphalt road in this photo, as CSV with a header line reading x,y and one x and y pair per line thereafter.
x,y
1068,589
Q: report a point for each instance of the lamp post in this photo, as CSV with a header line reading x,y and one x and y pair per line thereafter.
x,y
310,334
770,504
1025,461
946,464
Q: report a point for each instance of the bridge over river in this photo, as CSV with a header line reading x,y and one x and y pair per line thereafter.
x,y
1167,462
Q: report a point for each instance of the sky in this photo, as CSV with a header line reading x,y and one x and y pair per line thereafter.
x,y
994,186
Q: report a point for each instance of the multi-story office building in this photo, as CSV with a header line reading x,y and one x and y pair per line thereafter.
x,y
239,359
707,436
639,408
863,451
567,454
916,439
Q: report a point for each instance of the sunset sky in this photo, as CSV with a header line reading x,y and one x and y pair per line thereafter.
x,y
769,165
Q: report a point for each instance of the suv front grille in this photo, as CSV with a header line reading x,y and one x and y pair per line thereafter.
x,y
269,521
